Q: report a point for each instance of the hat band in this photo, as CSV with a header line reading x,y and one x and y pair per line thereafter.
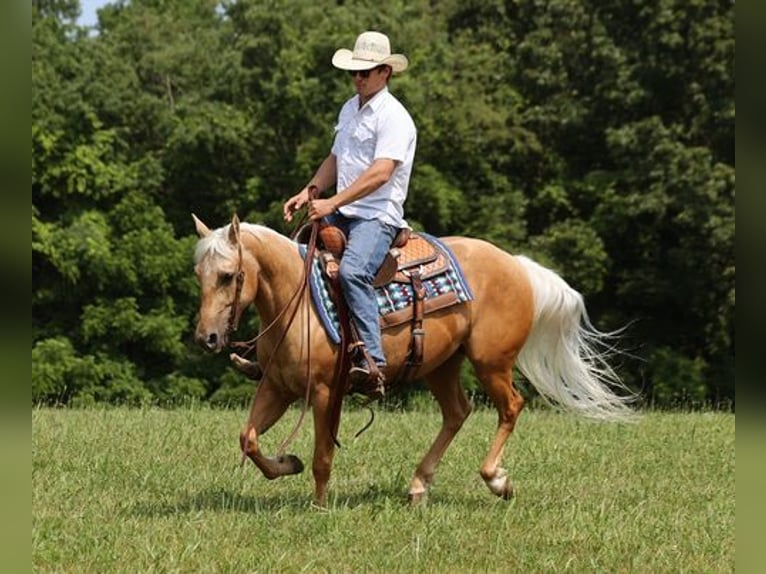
x,y
368,56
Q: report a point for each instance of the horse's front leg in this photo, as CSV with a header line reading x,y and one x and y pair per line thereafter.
x,y
268,406
324,446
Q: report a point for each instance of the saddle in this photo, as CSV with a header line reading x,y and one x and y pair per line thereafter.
x,y
410,259
409,252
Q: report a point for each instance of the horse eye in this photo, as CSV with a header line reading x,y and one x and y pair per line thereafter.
x,y
225,278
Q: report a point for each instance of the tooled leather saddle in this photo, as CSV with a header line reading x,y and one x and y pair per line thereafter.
x,y
409,252
410,259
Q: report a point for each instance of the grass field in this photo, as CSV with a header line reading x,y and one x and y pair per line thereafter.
x,y
122,490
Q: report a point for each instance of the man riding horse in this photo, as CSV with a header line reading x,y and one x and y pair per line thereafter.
x,y
370,165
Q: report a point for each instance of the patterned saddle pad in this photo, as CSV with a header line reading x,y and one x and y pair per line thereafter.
x,y
443,288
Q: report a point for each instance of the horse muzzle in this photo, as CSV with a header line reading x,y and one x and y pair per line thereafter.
x,y
211,341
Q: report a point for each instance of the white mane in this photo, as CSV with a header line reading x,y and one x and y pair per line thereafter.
x,y
217,242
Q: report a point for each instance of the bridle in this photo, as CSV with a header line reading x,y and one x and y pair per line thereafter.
x,y
234,312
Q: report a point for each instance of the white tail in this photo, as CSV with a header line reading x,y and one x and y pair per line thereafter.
x,y
564,356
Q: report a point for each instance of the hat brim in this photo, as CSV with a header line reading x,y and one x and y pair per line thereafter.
x,y
344,59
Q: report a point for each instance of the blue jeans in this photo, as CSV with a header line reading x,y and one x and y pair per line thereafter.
x,y
368,242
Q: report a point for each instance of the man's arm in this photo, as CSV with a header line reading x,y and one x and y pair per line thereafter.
x,y
371,179
326,174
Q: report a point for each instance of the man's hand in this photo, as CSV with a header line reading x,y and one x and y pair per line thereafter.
x,y
319,208
294,204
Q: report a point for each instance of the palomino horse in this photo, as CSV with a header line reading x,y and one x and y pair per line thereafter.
x,y
522,312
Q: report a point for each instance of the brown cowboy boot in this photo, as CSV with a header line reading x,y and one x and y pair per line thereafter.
x,y
251,368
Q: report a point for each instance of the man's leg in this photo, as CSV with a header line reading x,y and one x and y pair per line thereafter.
x,y
368,243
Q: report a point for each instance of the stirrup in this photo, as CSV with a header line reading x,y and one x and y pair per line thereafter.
x,y
365,382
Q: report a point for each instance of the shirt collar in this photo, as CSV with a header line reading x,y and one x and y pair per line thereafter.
x,y
376,101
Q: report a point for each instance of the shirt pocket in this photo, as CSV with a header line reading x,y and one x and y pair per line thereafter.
x,y
363,139
340,143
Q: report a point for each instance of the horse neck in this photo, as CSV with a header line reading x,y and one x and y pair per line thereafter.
x,y
275,261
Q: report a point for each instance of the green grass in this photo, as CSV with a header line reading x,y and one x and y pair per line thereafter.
x,y
121,490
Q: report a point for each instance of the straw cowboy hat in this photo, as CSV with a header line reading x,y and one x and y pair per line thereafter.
x,y
371,49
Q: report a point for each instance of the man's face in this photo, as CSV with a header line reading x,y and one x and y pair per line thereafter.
x,y
368,86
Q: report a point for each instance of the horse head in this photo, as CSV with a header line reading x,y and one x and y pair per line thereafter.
x,y
224,292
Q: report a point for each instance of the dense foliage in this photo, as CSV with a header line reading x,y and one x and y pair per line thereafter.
x,y
596,136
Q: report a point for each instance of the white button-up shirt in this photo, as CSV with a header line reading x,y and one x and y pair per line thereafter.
x,y
382,128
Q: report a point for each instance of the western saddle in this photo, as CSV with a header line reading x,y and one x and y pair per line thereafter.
x,y
410,259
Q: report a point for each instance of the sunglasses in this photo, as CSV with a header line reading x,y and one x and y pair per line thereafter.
x,y
364,73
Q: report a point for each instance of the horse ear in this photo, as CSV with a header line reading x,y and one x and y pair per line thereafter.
x,y
202,229
234,230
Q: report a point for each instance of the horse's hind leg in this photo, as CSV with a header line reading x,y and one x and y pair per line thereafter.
x,y
444,384
497,382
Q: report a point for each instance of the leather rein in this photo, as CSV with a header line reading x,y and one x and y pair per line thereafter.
x,y
234,313
294,302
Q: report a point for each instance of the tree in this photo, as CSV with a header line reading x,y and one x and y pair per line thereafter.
x,y
595,136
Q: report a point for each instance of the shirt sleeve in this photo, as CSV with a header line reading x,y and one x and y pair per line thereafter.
x,y
396,132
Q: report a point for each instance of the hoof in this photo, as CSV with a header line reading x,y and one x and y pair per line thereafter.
x,y
500,484
417,498
291,464
275,467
